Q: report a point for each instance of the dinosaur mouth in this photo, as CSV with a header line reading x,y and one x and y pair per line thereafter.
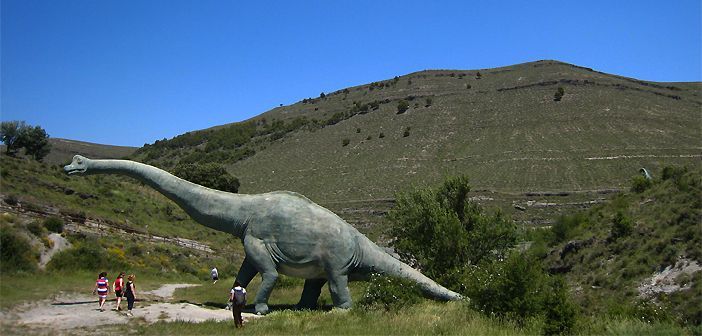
x,y
71,170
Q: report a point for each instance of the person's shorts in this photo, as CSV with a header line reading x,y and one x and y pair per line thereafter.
x,y
118,293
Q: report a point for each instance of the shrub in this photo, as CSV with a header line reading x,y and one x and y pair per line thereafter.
x,y
36,228
390,293
565,226
345,142
211,175
428,102
402,106
86,255
514,286
559,94
54,224
16,252
560,310
11,200
382,135
639,184
621,225
406,133
424,218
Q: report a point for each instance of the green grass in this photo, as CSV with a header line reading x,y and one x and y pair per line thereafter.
x,y
428,318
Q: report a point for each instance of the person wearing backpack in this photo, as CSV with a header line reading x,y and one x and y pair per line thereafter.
x,y
118,288
237,297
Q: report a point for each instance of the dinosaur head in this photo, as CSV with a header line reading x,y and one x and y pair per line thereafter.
x,y
79,165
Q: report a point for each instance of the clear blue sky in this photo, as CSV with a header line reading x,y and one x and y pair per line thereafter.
x,y
132,72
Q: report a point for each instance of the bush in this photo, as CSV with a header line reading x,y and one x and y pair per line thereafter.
x,y
565,226
345,142
512,287
211,175
621,225
406,133
390,293
639,184
86,255
16,252
559,94
560,310
54,224
423,219
36,228
402,106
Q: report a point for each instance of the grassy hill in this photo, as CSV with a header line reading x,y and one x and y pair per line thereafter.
x,y
63,150
501,127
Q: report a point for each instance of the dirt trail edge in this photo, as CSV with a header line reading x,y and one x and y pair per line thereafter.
x,y
66,312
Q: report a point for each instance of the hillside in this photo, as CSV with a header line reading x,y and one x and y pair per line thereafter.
x,y
502,128
63,150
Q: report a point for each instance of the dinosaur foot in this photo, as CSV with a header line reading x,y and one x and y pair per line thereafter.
x,y
261,309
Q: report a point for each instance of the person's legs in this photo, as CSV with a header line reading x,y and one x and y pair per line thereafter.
x,y
130,304
119,300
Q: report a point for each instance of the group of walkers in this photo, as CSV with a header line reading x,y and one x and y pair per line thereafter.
x,y
237,295
119,287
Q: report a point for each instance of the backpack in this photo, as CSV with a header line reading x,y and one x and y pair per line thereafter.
x,y
239,295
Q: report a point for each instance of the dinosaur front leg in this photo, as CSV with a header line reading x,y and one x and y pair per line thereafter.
x,y
259,257
339,289
310,293
246,273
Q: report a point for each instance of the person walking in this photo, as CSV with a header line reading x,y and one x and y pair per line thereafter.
x,y
102,287
237,296
118,288
130,293
215,275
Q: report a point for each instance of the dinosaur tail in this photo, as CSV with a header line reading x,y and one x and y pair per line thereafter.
x,y
377,260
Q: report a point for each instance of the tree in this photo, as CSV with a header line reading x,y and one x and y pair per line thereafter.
x,y
402,106
17,135
559,94
211,175
10,133
35,142
441,230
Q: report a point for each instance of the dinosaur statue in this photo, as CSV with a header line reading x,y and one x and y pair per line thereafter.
x,y
282,232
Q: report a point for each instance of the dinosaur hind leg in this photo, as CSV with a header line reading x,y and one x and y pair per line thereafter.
x,y
310,293
339,289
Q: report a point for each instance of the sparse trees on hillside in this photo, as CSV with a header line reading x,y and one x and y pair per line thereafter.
x,y
17,135
211,175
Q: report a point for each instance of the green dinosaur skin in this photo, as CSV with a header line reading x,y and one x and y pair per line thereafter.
x,y
282,232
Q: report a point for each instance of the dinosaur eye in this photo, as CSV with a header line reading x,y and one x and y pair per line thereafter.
x,y
79,161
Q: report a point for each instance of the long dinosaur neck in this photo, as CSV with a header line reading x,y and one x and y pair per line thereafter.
x,y
209,207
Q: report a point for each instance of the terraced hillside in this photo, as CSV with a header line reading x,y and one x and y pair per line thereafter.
x,y
502,127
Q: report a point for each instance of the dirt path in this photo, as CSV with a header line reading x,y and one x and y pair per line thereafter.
x,y
69,314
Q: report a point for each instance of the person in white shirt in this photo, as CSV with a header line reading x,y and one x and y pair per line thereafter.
x,y
215,275
237,296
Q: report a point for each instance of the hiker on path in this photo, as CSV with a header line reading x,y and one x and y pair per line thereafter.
x,y
118,288
215,275
130,293
237,297
102,287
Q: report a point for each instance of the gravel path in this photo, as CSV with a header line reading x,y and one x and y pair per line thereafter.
x,y
67,314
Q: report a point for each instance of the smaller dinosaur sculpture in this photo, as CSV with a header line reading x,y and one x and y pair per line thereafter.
x,y
282,232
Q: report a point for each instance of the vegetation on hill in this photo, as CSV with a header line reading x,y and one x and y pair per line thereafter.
x,y
17,135
639,254
506,132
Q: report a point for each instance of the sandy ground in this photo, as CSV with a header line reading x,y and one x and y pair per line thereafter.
x,y
69,313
